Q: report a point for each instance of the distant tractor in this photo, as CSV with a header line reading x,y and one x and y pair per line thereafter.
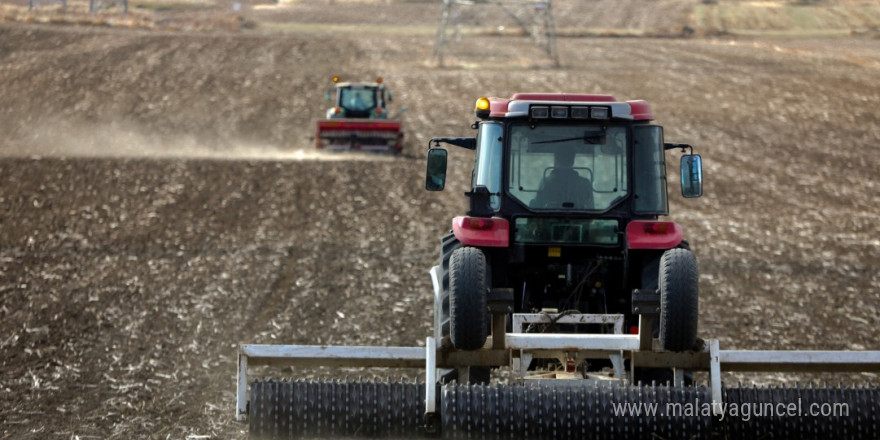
x,y
359,119
566,194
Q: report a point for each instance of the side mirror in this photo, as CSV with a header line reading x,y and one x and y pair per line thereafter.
x,y
691,175
435,177
328,96
388,96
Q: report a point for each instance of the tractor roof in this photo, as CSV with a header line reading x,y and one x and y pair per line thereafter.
x,y
518,105
365,84
372,85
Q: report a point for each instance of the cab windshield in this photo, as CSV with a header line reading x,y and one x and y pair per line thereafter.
x,y
357,98
568,167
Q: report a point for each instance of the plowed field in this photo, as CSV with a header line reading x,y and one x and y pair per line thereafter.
x,y
160,202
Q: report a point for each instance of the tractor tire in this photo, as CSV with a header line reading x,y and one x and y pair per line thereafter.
x,y
679,299
645,375
468,288
476,375
448,244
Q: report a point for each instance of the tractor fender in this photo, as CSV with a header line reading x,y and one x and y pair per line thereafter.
x,y
482,231
642,234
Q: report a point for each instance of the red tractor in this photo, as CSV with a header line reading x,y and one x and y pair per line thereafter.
x,y
561,254
359,119
567,191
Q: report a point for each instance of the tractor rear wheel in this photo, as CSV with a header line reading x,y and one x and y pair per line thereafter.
x,y
468,288
448,245
679,299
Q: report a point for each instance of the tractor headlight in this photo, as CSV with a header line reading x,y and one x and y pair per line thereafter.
x,y
558,112
600,113
580,112
539,112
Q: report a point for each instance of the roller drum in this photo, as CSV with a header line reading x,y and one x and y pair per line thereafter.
x,y
335,409
802,412
595,410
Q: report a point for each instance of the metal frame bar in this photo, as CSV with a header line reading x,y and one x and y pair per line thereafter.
x,y
334,356
430,376
241,402
715,376
571,342
800,361
574,318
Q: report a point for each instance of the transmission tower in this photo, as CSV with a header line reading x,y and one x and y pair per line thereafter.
x,y
534,17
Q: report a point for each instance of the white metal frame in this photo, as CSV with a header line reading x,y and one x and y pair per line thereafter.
x,y
543,346
520,319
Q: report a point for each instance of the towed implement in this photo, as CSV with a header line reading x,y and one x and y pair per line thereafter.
x,y
359,119
563,307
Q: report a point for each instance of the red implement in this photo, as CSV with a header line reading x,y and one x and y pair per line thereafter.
x,y
359,134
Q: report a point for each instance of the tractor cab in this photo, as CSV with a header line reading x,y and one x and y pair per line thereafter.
x,y
581,160
359,100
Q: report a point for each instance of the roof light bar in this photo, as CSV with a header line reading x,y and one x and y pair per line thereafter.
x,y
573,112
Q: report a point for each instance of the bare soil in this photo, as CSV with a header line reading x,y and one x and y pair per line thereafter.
x,y
160,202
